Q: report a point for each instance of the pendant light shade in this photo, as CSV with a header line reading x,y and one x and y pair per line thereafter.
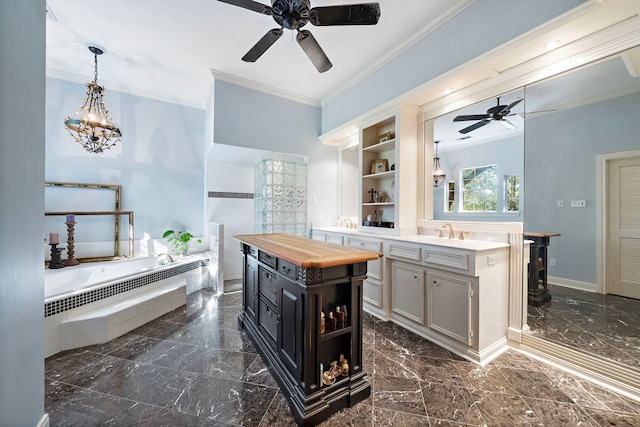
x,y
91,126
438,174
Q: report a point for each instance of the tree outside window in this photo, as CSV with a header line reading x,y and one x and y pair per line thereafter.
x,y
512,193
480,189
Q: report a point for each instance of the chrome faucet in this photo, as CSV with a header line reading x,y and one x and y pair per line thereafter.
x,y
169,258
452,235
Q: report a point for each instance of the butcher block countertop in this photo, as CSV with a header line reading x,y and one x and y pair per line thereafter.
x,y
307,253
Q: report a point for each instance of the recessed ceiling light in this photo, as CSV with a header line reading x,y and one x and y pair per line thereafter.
x,y
552,45
447,91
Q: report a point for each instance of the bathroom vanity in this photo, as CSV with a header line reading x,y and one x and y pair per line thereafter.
x,y
450,291
290,285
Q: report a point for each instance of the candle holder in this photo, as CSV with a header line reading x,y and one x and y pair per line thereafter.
x,y
70,244
56,259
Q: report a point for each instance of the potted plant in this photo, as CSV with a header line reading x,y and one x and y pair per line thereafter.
x,y
179,241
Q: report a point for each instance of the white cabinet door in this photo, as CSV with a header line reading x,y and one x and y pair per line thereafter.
x,y
408,291
372,292
449,304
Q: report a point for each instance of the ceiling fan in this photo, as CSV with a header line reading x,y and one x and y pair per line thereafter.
x,y
498,113
295,14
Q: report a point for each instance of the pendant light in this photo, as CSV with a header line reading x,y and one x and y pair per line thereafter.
x,y
91,126
438,174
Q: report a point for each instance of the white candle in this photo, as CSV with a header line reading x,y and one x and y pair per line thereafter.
x,y
53,238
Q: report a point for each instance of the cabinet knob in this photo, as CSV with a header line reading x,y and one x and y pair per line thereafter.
x,y
416,277
286,269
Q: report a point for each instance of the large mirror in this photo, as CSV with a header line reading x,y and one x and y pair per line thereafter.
x,y
568,155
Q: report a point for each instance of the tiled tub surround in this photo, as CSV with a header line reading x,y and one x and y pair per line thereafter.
x,y
195,367
105,300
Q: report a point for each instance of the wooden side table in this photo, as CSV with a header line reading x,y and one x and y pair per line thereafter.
x,y
538,292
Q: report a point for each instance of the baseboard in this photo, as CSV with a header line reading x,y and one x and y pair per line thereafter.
x,y
606,373
573,284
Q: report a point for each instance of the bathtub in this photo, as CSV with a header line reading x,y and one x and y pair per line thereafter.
x,y
93,303
77,279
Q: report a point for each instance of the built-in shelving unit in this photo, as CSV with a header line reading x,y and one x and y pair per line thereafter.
x,y
388,158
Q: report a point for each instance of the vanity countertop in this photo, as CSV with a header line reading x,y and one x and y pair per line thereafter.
x,y
474,245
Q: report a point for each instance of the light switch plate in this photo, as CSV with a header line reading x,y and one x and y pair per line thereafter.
x,y
578,203
561,203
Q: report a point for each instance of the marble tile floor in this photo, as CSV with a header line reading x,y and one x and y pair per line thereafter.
x,y
194,367
605,325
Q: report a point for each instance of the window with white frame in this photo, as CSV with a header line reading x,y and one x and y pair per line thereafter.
x,y
479,189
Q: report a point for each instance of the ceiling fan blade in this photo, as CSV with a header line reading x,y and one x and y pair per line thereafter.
x,y
251,5
507,124
475,126
313,50
263,44
350,14
464,118
514,103
507,109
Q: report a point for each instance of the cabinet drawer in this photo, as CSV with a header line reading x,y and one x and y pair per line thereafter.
x,y
267,258
268,320
253,252
447,258
369,245
334,238
398,250
267,285
287,269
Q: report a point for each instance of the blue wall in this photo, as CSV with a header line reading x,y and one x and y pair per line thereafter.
x,y
247,118
481,27
560,156
22,85
159,163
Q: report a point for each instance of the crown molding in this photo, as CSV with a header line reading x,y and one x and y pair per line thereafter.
x,y
56,74
601,44
270,90
449,13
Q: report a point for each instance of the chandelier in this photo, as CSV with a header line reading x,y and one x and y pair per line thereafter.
x,y
438,174
91,126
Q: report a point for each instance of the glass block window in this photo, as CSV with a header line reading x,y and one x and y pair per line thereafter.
x,y
280,197
512,193
480,189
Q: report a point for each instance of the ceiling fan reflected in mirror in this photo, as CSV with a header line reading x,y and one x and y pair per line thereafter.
x,y
295,14
499,114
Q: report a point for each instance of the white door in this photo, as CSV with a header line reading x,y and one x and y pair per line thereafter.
x,y
623,276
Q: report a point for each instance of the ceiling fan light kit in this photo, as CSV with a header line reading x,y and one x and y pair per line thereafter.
x,y
499,113
295,14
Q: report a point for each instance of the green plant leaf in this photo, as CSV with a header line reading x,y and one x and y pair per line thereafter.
x,y
167,233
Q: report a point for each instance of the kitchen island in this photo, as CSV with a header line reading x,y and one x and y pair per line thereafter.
x,y
302,308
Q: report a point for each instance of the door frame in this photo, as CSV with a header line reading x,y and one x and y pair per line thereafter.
x,y
603,161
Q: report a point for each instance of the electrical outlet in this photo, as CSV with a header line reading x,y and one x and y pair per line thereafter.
x,y
552,262
561,203
491,260
578,203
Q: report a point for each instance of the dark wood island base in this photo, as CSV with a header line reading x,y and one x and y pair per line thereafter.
x,y
290,287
